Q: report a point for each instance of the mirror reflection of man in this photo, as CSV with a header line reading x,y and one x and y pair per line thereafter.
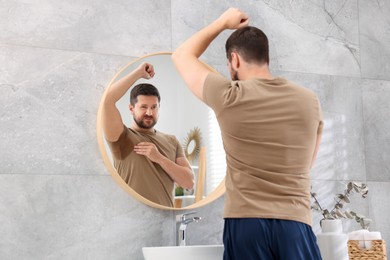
x,y
149,161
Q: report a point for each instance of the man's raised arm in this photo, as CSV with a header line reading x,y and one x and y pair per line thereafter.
x,y
112,120
186,56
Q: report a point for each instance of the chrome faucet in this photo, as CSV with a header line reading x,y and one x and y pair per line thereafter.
x,y
181,225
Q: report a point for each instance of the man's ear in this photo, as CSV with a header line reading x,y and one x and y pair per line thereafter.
x,y
236,59
131,108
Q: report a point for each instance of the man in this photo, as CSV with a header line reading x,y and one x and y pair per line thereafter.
x,y
271,129
148,160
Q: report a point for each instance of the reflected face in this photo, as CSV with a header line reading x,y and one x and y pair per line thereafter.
x,y
145,111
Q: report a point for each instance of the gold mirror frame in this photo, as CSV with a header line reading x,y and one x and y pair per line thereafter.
x,y
215,194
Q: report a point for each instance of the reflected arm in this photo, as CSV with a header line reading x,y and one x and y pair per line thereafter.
x,y
180,170
186,57
112,120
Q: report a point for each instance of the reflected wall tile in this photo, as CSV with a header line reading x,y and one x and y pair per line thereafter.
x,y
49,106
380,209
374,26
68,217
341,154
323,41
120,27
376,96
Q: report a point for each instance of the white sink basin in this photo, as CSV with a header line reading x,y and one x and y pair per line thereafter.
x,y
207,252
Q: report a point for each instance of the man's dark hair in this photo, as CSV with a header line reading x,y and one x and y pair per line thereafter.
x,y
143,89
251,43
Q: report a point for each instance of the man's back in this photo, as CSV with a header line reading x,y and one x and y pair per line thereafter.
x,y
269,129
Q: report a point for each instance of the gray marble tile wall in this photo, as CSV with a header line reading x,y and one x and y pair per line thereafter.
x,y
57,200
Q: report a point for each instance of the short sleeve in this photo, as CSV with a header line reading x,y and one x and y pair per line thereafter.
x,y
123,146
215,91
179,149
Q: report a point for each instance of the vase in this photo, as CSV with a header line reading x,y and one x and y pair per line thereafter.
x,y
333,243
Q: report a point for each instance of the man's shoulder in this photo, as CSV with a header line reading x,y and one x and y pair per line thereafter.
x,y
166,135
299,87
213,79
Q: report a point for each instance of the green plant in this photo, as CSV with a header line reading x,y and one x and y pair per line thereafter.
x,y
338,211
179,191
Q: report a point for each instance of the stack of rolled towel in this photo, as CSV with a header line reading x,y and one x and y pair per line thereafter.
x,y
365,237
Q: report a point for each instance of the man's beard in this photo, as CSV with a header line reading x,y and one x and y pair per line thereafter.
x,y
142,124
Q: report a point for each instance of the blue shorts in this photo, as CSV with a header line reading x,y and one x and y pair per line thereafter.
x,y
268,239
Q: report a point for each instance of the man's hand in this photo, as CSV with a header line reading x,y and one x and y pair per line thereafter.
x,y
146,70
149,150
180,170
233,18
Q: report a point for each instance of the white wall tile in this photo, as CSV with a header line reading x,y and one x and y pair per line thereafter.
x,y
376,96
49,107
374,27
324,40
75,216
379,205
121,27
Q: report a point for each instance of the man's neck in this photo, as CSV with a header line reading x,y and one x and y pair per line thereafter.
x,y
255,71
140,129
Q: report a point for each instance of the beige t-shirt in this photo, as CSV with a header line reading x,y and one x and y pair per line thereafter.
x,y
141,174
269,130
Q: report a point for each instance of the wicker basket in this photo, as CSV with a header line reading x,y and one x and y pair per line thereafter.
x,y
377,250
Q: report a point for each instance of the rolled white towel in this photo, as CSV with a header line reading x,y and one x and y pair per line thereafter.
x,y
365,237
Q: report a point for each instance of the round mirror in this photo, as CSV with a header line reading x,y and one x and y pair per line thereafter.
x,y
181,115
